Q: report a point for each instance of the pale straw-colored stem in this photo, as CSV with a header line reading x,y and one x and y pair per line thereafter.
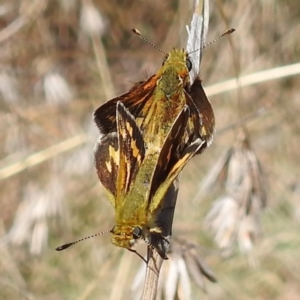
x,y
41,156
254,78
196,36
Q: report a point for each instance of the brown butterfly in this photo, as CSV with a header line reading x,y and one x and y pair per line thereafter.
x,y
139,177
147,136
174,120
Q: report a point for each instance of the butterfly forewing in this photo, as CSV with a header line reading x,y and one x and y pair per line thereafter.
x,y
202,117
131,150
169,153
135,101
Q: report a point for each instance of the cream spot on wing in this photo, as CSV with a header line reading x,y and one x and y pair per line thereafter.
x,y
114,155
108,166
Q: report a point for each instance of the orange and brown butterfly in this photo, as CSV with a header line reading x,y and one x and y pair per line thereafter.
x,y
137,177
146,138
157,107
144,143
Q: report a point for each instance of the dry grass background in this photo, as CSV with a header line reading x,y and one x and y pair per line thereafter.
x,y
57,67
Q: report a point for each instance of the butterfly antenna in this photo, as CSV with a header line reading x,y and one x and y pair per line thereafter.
x,y
212,42
65,246
225,33
135,31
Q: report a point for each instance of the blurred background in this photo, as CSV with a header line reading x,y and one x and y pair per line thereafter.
x,y
239,201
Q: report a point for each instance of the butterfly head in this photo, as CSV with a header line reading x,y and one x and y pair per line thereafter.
x,y
174,73
125,236
179,58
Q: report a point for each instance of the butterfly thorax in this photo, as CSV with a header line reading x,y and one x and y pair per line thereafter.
x,y
168,98
174,75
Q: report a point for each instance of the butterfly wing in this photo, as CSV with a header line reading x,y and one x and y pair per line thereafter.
x,y
169,152
106,155
188,153
173,156
131,151
119,155
135,101
202,115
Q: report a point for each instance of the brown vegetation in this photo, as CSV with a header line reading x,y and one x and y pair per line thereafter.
x,y
60,60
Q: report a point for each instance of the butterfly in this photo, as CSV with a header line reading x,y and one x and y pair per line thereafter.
x,y
175,121
139,176
147,136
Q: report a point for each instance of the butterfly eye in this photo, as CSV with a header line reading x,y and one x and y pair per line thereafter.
x,y
137,233
189,64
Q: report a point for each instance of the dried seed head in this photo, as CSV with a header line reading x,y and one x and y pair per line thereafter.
x,y
31,221
235,215
91,20
8,88
56,89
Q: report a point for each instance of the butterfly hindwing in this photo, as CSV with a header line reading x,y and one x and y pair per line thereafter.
x,y
106,154
118,155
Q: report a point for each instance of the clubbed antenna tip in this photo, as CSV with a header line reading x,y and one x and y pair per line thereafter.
x,y
65,246
137,32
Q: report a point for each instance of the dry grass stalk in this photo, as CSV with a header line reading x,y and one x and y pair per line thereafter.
x,y
185,263
197,36
41,156
93,25
253,78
